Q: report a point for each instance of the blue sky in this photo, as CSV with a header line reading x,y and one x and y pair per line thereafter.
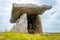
x,y
50,19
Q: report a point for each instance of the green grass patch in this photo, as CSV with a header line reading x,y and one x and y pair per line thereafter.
x,y
26,36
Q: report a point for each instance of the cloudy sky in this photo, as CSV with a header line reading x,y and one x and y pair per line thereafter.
x,y
50,19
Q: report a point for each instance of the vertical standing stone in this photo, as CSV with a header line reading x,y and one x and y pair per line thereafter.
x,y
21,24
38,24
34,24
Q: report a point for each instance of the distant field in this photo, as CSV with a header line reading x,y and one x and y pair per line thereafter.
x,y
26,36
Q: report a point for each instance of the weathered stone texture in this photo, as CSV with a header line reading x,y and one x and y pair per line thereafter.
x,y
34,24
21,24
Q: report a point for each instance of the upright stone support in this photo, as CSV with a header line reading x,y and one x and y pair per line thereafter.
x,y
21,24
34,24
38,24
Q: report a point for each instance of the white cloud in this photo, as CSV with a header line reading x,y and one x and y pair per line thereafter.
x,y
26,1
13,1
51,25
51,19
49,2
30,1
57,1
21,1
